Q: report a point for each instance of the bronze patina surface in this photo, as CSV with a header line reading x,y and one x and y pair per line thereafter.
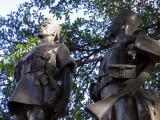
x,y
118,93
43,78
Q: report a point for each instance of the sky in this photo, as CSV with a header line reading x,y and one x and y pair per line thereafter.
x,y
6,6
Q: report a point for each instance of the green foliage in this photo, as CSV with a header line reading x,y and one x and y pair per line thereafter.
x,y
86,37
7,63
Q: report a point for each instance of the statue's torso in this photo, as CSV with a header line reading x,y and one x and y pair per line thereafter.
x,y
109,86
35,71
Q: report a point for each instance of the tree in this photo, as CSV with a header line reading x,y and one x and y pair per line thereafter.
x,y
87,38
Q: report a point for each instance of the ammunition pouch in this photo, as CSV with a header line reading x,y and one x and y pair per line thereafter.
x,y
122,71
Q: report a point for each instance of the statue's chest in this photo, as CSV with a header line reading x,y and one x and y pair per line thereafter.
x,y
40,58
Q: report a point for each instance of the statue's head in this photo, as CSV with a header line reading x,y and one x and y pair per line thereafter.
x,y
49,31
126,22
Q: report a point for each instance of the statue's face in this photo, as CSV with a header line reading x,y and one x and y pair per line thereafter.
x,y
126,23
129,29
131,24
47,29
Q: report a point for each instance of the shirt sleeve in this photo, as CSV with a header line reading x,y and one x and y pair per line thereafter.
x,y
64,59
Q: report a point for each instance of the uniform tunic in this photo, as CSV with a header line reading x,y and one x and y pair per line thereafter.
x,y
129,107
38,76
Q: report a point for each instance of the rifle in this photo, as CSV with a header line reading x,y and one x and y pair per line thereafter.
x,y
100,108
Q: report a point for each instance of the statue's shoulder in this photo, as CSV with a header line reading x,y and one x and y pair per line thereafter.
x,y
144,37
62,47
148,46
27,55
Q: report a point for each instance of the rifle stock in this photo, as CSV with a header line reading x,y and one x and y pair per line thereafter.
x,y
100,108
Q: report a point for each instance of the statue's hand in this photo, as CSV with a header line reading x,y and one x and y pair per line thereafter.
x,y
60,109
131,86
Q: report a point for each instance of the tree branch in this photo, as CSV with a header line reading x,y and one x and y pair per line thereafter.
x,y
80,63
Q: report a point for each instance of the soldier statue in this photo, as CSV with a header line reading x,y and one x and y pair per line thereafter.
x,y
43,78
119,93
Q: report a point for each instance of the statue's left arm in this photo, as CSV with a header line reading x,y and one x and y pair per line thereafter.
x,y
146,47
66,66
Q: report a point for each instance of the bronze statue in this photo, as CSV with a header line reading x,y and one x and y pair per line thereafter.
x,y
119,93
43,78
